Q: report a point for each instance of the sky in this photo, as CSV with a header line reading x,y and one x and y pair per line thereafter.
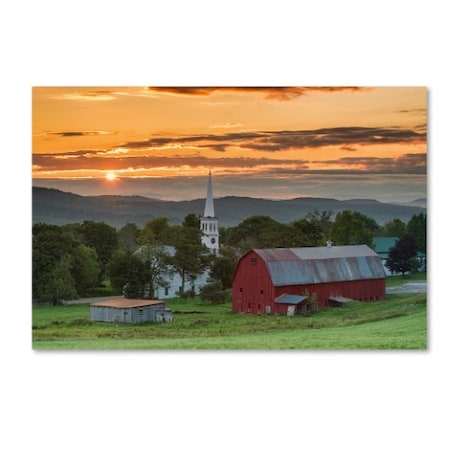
x,y
273,142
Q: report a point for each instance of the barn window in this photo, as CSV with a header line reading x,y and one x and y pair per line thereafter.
x,y
241,289
166,291
253,261
249,306
261,291
140,311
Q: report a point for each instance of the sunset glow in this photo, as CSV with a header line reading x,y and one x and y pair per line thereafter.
x,y
111,176
304,141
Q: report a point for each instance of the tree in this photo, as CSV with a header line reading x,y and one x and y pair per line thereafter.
x,y
417,228
128,236
222,266
127,271
309,233
85,269
401,257
249,233
322,219
155,260
395,228
53,249
156,231
191,256
57,284
191,221
213,292
103,239
352,228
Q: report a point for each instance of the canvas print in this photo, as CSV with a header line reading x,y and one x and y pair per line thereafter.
x,y
232,217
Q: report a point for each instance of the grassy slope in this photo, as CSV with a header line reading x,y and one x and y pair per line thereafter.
x,y
396,323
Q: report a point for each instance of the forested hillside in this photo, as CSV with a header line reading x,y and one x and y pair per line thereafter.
x,y
56,207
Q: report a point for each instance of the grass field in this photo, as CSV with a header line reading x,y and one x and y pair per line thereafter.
x,y
399,322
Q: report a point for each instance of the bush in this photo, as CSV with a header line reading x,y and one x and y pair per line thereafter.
x,y
213,292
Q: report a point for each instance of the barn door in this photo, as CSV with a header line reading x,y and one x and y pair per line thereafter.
x,y
291,310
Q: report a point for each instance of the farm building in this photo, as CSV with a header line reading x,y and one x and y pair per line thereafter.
x,y
281,280
130,311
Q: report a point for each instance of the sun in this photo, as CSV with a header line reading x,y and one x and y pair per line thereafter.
x,y
111,176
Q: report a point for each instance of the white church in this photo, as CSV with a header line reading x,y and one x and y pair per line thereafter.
x,y
210,227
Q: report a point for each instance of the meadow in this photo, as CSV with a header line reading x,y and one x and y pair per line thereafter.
x,y
399,322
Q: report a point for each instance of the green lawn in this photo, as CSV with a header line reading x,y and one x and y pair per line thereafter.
x,y
399,322
396,280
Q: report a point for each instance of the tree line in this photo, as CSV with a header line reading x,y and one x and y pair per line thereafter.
x,y
93,258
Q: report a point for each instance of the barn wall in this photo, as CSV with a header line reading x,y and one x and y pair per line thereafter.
x,y
252,287
364,290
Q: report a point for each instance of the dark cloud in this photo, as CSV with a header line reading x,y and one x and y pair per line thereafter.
x,y
75,133
410,163
84,160
277,93
273,141
90,160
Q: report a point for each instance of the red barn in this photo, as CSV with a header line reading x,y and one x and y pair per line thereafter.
x,y
279,280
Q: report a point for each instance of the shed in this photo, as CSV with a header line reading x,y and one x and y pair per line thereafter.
x,y
273,280
127,310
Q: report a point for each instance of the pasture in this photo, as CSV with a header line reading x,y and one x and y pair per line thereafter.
x,y
399,322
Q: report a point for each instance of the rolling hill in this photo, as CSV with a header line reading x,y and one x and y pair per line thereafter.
x,y
57,207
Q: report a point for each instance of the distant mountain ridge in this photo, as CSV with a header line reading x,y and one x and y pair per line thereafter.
x,y
53,206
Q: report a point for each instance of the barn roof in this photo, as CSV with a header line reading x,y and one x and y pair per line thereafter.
x,y
122,302
310,265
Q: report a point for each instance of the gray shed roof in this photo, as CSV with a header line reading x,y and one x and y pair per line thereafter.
x,y
290,299
310,265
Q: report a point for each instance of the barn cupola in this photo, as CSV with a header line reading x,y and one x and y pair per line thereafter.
x,y
209,223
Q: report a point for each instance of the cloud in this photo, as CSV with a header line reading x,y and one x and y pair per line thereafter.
x,y
274,141
410,163
226,125
76,133
96,95
277,93
91,159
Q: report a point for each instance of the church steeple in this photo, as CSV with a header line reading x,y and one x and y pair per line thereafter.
x,y
209,223
209,204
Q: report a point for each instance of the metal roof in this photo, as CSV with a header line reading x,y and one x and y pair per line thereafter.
x,y
290,299
122,302
311,265
384,244
341,299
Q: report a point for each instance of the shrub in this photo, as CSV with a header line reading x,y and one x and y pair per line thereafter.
x,y
213,292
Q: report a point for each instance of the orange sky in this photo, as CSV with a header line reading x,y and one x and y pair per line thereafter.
x,y
290,135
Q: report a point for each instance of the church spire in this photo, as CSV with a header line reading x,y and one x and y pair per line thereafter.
x,y
209,204
209,223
